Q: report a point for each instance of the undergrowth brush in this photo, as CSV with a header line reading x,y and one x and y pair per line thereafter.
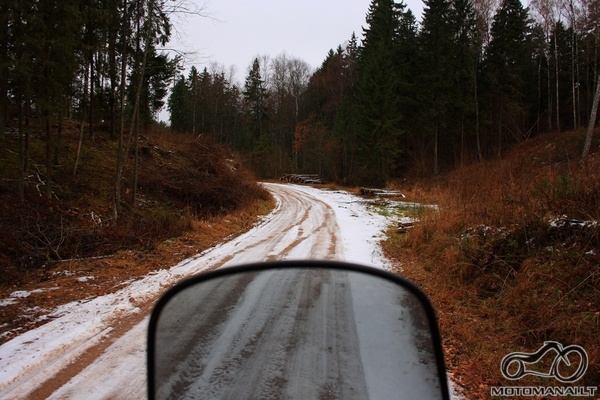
x,y
181,180
511,259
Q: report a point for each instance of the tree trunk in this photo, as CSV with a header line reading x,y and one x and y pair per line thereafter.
x,y
112,50
462,140
539,99
435,151
3,106
3,73
92,78
27,125
573,82
499,150
78,148
120,161
138,94
59,137
48,154
194,111
477,125
550,98
557,79
21,171
46,114
592,122
136,158
82,121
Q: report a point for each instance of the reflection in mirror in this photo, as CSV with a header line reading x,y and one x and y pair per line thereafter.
x,y
301,333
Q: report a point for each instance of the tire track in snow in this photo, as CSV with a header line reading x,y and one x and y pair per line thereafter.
x,y
301,226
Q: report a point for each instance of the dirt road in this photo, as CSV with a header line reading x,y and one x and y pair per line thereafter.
x,y
107,360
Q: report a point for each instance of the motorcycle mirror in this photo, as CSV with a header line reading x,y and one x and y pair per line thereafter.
x,y
295,329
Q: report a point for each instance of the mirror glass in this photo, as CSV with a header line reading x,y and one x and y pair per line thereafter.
x,y
301,333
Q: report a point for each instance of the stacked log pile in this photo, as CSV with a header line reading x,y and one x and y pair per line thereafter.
x,y
301,178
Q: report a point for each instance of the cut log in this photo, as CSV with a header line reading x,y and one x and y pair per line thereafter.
x,y
403,227
381,192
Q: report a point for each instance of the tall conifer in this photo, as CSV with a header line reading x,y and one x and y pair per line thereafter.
x,y
178,106
435,81
255,94
509,68
377,96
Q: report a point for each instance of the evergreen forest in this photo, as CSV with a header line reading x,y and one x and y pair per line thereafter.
x,y
471,79
404,96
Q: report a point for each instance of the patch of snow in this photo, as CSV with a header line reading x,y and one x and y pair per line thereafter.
x,y
20,294
7,302
64,272
564,220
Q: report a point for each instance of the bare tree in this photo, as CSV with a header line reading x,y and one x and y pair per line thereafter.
x,y
485,10
299,72
548,14
593,26
592,123
572,13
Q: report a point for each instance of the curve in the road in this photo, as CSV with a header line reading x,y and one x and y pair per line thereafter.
x,y
301,227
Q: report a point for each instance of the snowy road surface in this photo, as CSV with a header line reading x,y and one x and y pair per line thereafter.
x,y
96,349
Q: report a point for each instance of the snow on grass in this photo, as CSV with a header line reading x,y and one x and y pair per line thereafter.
x,y
17,295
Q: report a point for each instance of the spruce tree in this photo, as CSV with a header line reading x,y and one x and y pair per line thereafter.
x,y
255,94
178,106
408,69
463,108
193,90
436,78
510,71
377,96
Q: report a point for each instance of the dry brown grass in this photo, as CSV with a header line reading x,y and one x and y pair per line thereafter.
x,y
181,179
502,275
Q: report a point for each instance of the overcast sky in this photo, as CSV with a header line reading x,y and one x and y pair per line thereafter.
x,y
236,31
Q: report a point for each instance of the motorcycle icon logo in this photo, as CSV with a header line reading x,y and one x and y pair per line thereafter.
x,y
521,359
